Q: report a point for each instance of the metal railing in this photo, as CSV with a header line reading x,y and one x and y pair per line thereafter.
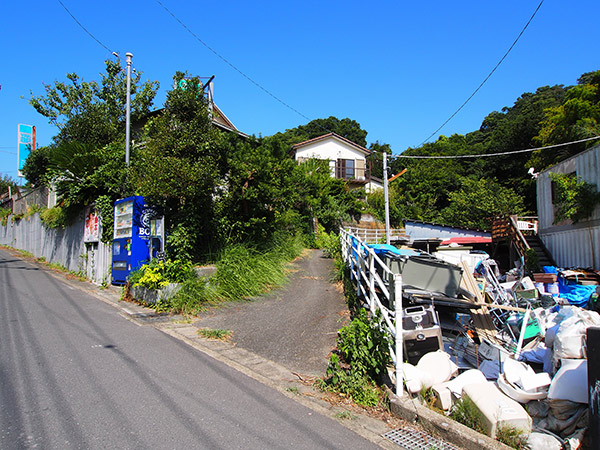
x,y
375,235
368,272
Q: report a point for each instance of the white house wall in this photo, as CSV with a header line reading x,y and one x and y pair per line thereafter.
x,y
571,245
330,149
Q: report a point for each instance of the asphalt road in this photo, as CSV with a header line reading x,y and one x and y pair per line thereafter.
x,y
75,374
296,325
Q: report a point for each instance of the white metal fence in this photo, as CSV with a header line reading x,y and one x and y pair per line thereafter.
x,y
374,235
381,289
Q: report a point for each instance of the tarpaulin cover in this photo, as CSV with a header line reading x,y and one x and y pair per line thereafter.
x,y
576,294
382,249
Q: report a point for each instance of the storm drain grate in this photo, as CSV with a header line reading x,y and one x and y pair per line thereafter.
x,y
416,440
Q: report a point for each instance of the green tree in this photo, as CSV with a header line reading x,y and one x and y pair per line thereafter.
x,y
576,199
328,199
375,159
93,113
347,128
514,128
259,194
578,117
477,201
180,167
6,182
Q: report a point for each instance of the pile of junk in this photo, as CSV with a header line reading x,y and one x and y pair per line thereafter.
x,y
515,344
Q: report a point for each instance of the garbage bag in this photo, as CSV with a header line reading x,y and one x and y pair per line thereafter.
x,y
568,342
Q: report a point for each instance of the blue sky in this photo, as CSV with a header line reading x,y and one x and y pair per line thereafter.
x,y
398,68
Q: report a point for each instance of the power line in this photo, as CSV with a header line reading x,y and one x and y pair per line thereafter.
x,y
233,66
84,28
486,78
487,155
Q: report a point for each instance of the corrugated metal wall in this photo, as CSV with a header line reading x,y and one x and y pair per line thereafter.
x,y
65,247
423,230
574,248
571,246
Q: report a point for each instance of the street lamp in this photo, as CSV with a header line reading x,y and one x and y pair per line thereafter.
x,y
128,109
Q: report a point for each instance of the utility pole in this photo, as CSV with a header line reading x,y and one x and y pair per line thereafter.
x,y
387,201
128,109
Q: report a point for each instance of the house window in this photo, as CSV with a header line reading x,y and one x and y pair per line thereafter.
x,y
349,173
345,168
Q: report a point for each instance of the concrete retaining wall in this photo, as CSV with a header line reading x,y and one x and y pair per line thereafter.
x,y
61,246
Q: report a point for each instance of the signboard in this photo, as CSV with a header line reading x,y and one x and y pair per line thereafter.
x,y
91,232
25,144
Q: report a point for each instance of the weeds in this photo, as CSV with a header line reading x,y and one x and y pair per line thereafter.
x,y
345,415
217,334
4,213
466,412
513,437
293,390
244,272
361,357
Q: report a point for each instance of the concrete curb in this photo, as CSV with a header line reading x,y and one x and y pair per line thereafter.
x,y
441,426
281,378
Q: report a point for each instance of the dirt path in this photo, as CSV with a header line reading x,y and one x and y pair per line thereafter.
x,y
296,325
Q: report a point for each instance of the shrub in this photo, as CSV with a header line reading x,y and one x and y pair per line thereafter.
x,y
157,274
4,213
55,217
361,357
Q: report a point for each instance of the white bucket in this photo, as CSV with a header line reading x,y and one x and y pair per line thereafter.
x,y
552,288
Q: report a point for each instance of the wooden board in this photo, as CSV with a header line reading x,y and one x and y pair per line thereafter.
x,y
482,321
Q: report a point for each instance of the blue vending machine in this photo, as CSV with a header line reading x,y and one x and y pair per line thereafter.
x,y
130,237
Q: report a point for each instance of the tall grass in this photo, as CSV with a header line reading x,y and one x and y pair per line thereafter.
x,y
243,271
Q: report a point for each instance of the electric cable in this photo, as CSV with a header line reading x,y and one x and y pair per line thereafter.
x,y
84,28
487,155
486,78
258,85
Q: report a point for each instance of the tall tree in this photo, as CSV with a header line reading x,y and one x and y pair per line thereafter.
x,y
578,117
181,165
476,202
93,113
347,128
6,182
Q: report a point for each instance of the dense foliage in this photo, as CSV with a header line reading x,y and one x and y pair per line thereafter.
x,y
217,189
575,199
93,113
6,182
469,191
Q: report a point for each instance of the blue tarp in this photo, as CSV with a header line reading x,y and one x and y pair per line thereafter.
x,y
382,249
575,294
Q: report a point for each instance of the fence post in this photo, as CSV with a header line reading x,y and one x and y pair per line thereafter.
x,y
399,337
371,260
